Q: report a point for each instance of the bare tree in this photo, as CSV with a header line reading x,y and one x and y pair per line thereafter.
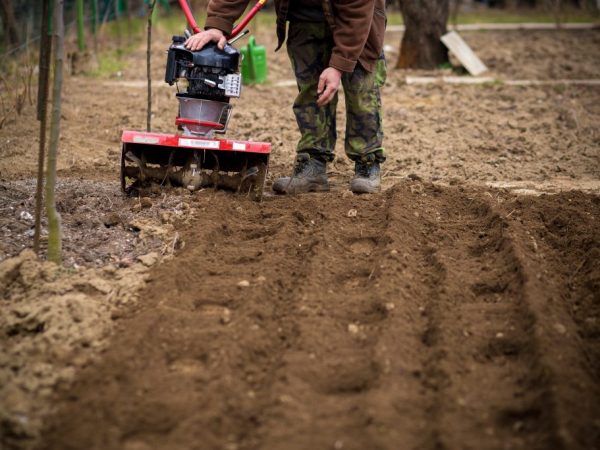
x,y
42,103
9,23
54,228
425,22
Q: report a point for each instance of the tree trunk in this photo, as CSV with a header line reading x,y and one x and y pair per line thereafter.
x,y
425,22
42,103
95,13
9,23
80,25
54,231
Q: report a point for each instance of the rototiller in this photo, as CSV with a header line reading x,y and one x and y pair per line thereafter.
x,y
193,157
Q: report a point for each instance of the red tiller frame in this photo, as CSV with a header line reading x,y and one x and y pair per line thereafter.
x,y
163,141
238,28
202,123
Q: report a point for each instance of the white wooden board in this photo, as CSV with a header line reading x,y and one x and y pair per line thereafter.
x,y
463,52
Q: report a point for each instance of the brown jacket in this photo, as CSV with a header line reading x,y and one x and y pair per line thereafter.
x,y
358,27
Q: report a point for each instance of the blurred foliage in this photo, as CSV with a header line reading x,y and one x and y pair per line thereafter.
x,y
117,36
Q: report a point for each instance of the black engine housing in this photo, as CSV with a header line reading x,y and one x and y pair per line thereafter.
x,y
204,69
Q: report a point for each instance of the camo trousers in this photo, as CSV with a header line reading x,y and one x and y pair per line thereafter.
x,y
309,47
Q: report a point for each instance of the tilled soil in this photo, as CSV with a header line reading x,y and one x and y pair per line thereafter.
x,y
443,313
426,317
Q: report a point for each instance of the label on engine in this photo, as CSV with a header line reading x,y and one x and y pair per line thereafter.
x,y
198,143
232,84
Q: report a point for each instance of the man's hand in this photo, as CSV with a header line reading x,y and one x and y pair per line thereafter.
x,y
329,83
199,40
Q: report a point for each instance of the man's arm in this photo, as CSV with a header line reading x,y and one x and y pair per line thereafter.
x,y
221,15
353,22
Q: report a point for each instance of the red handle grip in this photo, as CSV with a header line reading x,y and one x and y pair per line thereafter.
x,y
238,28
246,20
189,16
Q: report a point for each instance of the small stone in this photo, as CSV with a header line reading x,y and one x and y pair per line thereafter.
x,y
261,279
226,316
560,328
389,306
112,219
394,252
110,269
353,328
26,216
148,260
145,202
499,335
244,284
518,426
165,217
352,213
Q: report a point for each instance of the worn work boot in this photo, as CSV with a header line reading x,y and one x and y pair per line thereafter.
x,y
310,175
367,178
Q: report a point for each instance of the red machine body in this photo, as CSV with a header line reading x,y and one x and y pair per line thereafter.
x,y
193,157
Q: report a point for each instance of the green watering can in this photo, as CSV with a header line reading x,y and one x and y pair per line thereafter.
x,y
254,63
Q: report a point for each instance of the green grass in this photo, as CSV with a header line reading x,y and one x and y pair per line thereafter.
x,y
125,27
109,63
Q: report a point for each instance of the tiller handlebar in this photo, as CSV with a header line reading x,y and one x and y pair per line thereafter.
x,y
237,29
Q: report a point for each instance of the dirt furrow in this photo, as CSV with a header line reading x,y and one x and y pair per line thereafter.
x,y
487,384
424,318
195,364
558,249
323,390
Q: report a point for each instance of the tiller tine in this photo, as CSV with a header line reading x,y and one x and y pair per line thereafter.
x,y
153,159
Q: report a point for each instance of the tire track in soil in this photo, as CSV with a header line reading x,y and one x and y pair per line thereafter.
x,y
413,322
487,382
559,248
336,388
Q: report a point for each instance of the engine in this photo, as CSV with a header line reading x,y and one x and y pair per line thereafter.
x,y
212,77
211,73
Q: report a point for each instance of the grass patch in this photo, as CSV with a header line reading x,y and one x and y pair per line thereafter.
x,y
109,63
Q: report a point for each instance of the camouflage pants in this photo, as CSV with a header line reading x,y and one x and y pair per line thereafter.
x,y
309,47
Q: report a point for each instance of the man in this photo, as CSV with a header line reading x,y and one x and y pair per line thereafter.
x,y
329,42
